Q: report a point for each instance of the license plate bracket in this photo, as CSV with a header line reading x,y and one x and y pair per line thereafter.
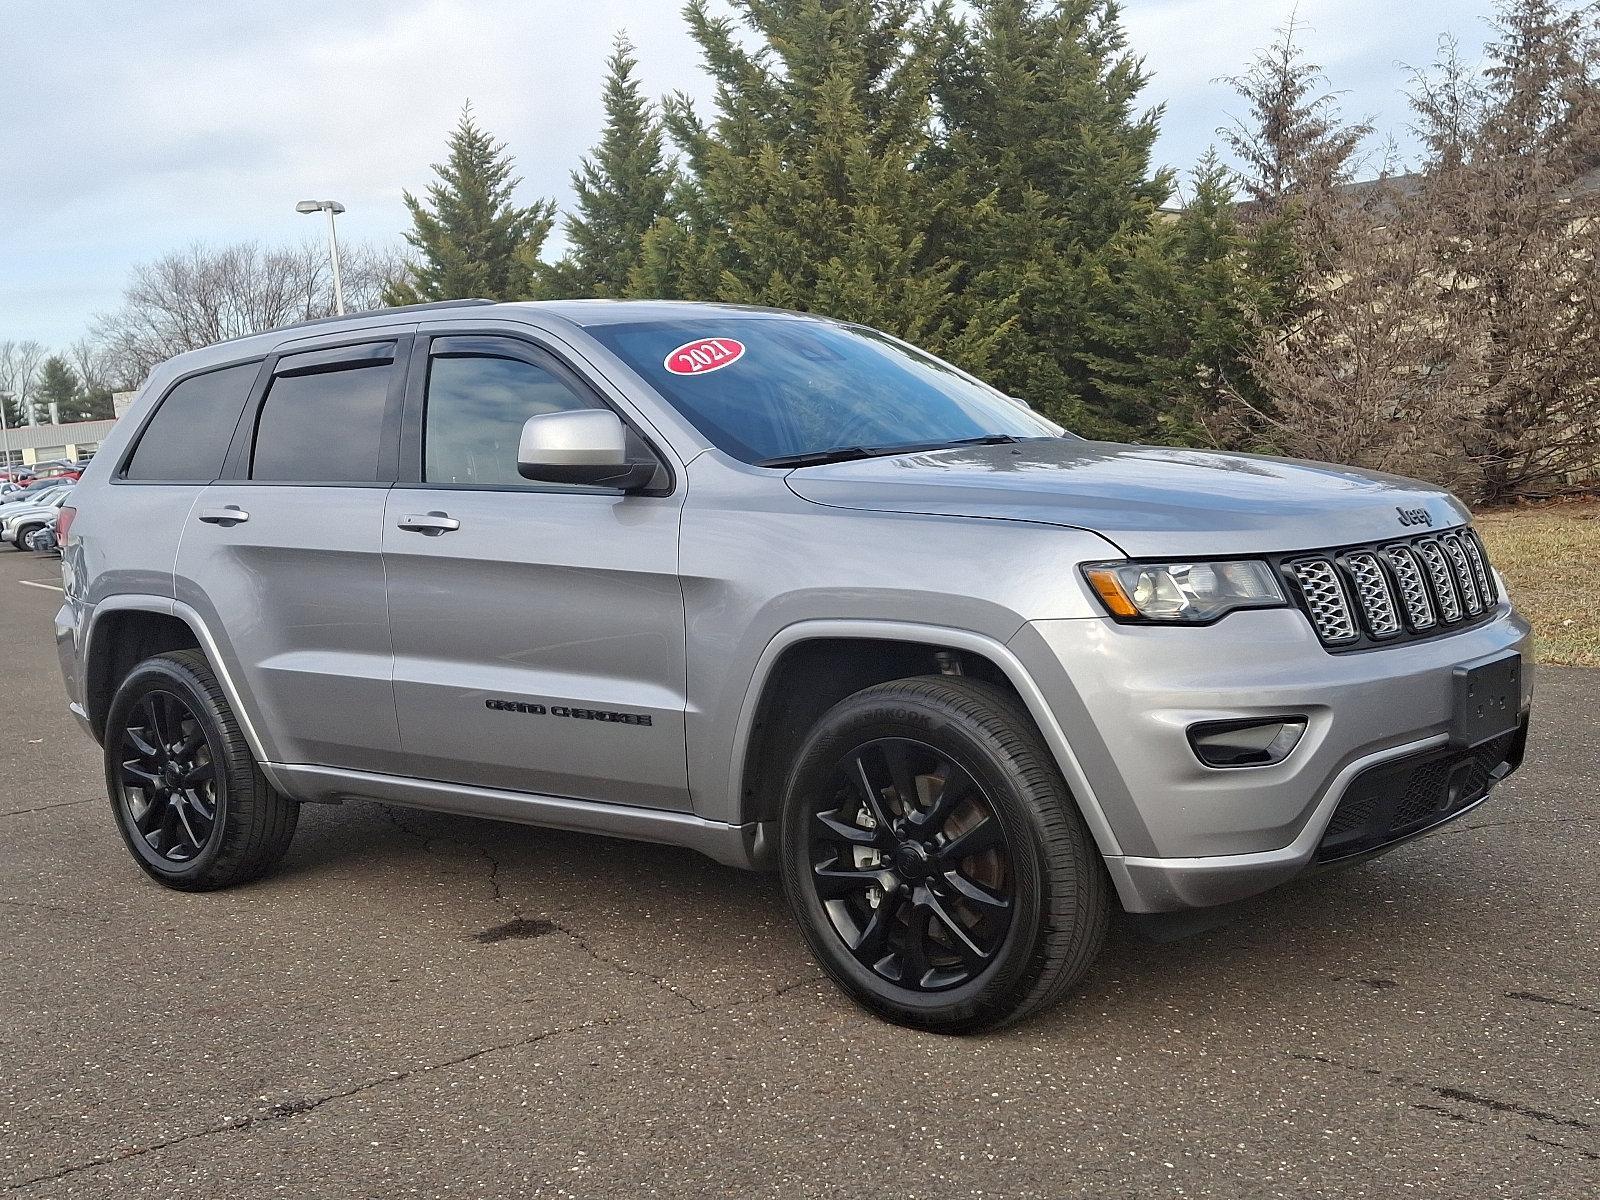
x,y
1488,700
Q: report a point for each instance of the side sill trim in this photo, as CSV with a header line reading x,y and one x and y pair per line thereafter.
x,y
732,845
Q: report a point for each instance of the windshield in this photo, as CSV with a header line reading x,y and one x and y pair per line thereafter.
x,y
32,495
775,388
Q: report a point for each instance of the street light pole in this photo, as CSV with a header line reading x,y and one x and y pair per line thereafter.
x,y
332,208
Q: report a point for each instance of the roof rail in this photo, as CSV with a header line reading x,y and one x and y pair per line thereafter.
x,y
376,312
430,306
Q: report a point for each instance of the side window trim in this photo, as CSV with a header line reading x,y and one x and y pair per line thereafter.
x,y
119,476
500,343
369,352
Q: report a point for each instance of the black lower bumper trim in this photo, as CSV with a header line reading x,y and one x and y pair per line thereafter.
x,y
1400,799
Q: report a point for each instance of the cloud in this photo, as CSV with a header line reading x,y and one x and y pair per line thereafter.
x,y
130,129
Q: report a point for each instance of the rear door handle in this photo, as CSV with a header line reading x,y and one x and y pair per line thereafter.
x,y
230,514
431,523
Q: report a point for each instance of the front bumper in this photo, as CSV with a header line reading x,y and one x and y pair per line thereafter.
x,y
1191,836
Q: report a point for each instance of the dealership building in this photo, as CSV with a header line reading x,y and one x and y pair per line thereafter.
x,y
26,445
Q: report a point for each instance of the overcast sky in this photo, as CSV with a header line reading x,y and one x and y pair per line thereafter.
x,y
132,127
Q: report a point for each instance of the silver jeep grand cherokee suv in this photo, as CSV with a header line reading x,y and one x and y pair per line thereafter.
x,y
783,590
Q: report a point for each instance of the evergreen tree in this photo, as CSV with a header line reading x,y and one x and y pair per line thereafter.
x,y
1051,160
58,387
13,411
1294,140
470,238
1182,317
622,190
804,191
1295,150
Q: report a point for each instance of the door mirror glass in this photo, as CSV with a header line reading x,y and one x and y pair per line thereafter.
x,y
585,447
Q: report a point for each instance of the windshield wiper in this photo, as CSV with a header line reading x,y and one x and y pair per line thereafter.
x,y
817,458
988,439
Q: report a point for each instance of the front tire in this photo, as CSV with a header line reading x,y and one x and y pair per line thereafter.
x,y
190,802
936,863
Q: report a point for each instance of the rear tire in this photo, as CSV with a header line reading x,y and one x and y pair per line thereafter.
x,y
982,900
192,806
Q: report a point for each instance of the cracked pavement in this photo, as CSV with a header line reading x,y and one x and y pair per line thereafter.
x,y
427,1005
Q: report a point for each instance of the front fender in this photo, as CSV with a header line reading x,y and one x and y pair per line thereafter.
x,y
981,645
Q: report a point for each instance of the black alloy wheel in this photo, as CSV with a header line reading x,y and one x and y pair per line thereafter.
x,y
937,865
190,800
169,785
912,866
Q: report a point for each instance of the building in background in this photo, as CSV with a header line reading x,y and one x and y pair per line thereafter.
x,y
30,444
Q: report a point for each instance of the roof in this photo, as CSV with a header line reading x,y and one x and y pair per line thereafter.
x,y
572,312
1407,186
619,312
75,433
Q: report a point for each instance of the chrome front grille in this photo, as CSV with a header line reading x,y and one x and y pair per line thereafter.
x,y
1442,579
1414,593
1457,553
1479,557
1326,600
1373,593
1367,595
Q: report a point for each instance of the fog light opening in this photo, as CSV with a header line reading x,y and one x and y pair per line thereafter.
x,y
1252,742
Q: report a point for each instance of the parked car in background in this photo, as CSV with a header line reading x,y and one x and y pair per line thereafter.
x,y
33,493
44,541
18,522
59,472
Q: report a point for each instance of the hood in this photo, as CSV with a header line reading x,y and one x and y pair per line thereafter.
x,y
1151,501
29,511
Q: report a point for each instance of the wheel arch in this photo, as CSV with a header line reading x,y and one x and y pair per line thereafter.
x,y
838,658
127,629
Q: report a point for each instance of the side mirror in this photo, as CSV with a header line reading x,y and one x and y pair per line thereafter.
x,y
586,446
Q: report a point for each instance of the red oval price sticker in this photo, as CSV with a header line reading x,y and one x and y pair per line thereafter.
x,y
705,355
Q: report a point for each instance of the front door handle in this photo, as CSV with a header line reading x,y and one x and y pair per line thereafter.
x,y
230,514
430,523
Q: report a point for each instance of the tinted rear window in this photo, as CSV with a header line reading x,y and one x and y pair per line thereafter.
x,y
323,428
187,439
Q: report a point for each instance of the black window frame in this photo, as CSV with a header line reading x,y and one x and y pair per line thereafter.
x,y
120,475
361,349
502,343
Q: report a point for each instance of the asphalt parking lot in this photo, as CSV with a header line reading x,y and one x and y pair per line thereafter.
x,y
430,1005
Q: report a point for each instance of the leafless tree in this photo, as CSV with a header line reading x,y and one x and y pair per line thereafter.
x,y
1512,193
1372,370
19,373
205,294
1447,323
91,363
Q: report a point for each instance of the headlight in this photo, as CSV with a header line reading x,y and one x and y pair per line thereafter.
x,y
1183,593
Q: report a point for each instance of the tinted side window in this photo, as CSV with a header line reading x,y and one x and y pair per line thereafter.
x,y
187,439
476,407
325,427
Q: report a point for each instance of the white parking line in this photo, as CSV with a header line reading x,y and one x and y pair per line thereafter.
x,y
33,583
